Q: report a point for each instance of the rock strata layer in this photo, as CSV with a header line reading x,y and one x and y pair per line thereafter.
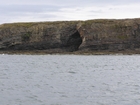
x,y
70,36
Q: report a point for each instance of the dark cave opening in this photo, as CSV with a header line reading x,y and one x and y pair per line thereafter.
x,y
74,41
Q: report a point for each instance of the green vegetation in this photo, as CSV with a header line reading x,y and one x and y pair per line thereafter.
x,y
122,37
26,24
26,36
120,26
98,21
10,25
30,24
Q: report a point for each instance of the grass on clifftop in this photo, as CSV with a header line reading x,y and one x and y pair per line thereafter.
x,y
30,24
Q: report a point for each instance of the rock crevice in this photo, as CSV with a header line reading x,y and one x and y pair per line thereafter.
x,y
74,41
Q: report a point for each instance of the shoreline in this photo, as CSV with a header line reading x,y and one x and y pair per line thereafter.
x,y
46,52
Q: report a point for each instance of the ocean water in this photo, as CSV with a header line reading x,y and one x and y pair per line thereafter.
x,y
69,79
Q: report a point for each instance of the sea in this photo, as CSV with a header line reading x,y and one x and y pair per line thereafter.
x,y
69,79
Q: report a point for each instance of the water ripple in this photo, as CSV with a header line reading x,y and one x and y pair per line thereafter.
x,y
69,80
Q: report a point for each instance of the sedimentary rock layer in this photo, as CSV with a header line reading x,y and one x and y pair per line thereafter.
x,y
68,36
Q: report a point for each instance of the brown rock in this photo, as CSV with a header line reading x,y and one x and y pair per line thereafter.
x,y
69,36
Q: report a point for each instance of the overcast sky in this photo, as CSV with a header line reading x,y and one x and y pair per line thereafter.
x,y
55,10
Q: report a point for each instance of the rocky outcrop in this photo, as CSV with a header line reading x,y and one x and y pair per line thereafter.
x,y
69,36
111,34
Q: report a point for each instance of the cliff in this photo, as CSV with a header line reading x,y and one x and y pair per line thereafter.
x,y
70,36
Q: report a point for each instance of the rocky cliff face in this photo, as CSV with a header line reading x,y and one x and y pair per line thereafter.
x,y
70,36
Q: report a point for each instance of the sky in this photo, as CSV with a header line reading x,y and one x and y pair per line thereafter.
x,y
12,11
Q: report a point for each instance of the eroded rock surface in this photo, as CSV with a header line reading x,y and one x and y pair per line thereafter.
x,y
68,36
